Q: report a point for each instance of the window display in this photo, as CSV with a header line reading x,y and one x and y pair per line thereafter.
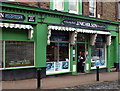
x,y
19,53
98,53
57,57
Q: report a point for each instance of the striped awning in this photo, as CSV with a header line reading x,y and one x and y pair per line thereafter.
x,y
19,26
61,28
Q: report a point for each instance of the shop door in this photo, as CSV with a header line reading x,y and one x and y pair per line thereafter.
x,y
112,48
80,57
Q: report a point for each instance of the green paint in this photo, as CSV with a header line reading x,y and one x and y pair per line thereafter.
x,y
71,58
51,4
112,53
40,45
117,49
80,7
112,27
4,55
113,33
15,34
108,58
66,5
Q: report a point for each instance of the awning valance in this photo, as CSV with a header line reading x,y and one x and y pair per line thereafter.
x,y
19,26
61,28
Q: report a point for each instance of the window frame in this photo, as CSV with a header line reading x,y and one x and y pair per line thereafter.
x,y
94,8
61,9
75,12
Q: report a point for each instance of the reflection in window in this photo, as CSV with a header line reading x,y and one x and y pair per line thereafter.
x,y
58,52
73,6
1,54
92,8
19,53
59,36
82,37
98,53
59,4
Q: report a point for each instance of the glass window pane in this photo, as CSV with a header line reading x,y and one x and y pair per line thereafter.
x,y
73,5
19,53
59,36
57,52
82,37
92,3
98,53
1,53
59,4
91,11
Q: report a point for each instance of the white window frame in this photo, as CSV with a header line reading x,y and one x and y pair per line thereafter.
x,y
75,12
94,7
60,9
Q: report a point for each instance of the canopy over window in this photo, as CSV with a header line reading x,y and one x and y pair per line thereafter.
x,y
61,28
19,26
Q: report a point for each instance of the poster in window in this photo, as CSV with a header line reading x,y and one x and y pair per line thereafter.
x,y
102,63
58,66
65,65
50,66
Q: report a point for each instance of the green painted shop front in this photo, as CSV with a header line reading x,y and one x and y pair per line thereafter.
x,y
52,40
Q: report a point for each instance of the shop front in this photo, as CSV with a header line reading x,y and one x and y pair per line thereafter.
x,y
54,41
78,49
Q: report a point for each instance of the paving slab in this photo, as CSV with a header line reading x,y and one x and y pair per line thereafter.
x,y
60,81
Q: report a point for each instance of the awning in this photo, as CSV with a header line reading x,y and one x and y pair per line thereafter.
x,y
19,26
61,28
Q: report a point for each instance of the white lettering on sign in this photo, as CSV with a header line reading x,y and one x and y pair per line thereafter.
x,y
1,15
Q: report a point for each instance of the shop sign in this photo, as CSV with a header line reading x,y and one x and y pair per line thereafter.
x,y
12,16
84,24
31,18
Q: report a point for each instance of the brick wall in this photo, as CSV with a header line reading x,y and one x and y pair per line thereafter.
x,y
109,11
86,8
33,4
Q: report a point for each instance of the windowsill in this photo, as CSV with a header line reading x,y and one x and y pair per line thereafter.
x,y
73,12
17,67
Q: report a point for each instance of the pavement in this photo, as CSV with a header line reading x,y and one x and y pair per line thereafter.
x,y
59,82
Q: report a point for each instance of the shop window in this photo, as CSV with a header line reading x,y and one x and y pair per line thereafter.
x,y
73,6
98,53
118,10
57,57
82,37
19,53
59,36
1,54
58,5
92,8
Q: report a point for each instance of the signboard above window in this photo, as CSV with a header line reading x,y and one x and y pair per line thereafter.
x,y
12,16
84,24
